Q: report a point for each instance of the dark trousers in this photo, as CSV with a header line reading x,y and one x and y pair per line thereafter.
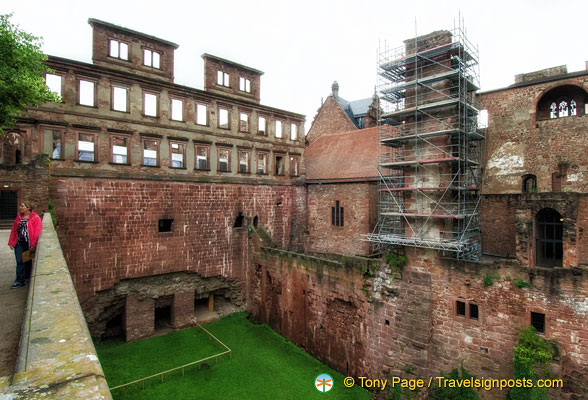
x,y
23,269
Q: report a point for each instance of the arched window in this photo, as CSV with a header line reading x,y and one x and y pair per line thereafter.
x,y
549,228
529,184
561,102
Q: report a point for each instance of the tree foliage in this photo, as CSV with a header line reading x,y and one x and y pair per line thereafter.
x,y
22,72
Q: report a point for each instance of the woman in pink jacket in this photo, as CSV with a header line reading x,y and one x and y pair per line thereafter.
x,y
24,236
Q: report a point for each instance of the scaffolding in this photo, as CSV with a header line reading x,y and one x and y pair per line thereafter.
x,y
429,157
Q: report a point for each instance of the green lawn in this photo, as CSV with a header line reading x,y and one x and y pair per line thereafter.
x,y
264,366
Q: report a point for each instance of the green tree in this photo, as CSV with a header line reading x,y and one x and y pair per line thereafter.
x,y
22,72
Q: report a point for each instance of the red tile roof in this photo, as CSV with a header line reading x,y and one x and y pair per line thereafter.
x,y
347,156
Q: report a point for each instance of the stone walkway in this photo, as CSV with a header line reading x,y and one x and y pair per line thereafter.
x,y
12,307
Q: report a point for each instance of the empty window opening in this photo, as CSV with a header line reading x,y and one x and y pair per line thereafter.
x,y
460,308
177,110
278,129
151,58
165,225
203,304
17,159
150,104
223,118
244,122
224,160
279,165
53,82
244,85
256,221
294,166
538,321
293,132
483,119
201,114
529,184
178,151
387,322
118,50
86,147
222,78
239,221
114,327
261,126
337,215
163,315
150,153
119,150
262,163
244,162
549,238
86,93
473,311
561,102
202,157
119,98
54,143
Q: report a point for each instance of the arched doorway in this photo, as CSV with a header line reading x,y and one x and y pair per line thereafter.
x,y
549,224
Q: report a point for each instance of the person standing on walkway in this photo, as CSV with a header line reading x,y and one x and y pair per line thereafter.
x,y
24,236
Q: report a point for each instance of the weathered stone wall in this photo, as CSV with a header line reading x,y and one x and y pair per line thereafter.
x,y
497,223
330,119
29,181
359,202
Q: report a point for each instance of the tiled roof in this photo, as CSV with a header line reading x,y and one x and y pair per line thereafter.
x,y
355,108
347,156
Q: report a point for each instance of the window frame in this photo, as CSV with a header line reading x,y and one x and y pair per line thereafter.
x,y
204,146
157,140
228,149
61,85
61,138
152,93
241,151
206,107
296,158
179,143
297,129
281,125
94,82
283,157
173,98
248,123
151,51
94,140
244,84
127,137
218,121
258,155
264,131
114,85
111,39
337,215
223,78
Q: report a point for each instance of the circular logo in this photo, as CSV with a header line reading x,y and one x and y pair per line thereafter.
x,y
323,383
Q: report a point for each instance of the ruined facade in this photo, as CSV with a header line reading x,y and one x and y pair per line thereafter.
x,y
169,197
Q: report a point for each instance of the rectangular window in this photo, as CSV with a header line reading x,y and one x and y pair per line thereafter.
x,y
244,157
120,150
222,78
244,85
53,82
279,165
202,114
118,50
178,154
54,143
150,104
278,129
337,215
150,152
165,225
473,311
223,118
86,148
460,308
86,93
262,163
151,58
243,122
293,132
261,126
224,160
538,321
177,110
294,166
202,157
119,98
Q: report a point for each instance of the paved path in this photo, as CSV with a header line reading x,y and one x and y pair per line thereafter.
x,y
12,307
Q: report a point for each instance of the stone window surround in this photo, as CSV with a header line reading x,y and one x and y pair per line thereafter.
x,y
180,142
246,150
93,80
467,316
115,135
61,129
229,149
79,132
152,138
206,146
112,38
184,106
121,85
157,102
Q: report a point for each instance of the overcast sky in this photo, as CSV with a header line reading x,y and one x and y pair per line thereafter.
x,y
304,46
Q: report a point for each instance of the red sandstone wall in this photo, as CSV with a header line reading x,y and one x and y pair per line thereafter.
x,y
497,223
31,182
109,229
356,200
330,119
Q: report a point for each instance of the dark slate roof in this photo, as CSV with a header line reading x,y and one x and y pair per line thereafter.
x,y
343,157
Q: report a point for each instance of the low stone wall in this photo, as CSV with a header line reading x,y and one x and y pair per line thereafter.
x,y
57,359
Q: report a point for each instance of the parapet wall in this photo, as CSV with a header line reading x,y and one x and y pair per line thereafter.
x,y
57,359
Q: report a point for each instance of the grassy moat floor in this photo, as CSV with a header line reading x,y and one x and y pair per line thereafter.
x,y
264,365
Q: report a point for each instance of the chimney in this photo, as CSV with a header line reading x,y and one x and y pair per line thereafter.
x,y
335,89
